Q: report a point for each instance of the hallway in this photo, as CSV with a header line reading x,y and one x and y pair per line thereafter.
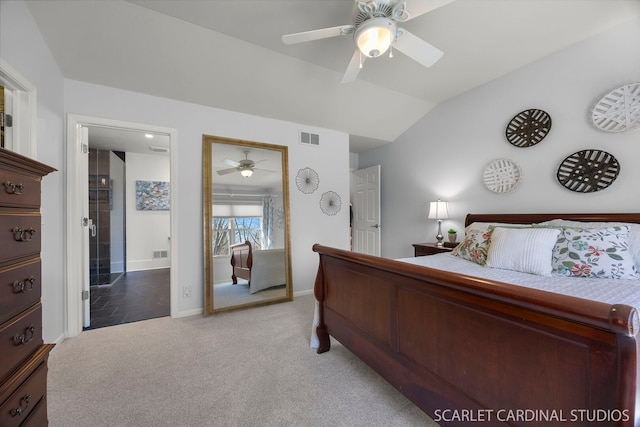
x,y
137,295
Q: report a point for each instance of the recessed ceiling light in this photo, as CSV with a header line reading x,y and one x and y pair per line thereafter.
x,y
148,135
158,149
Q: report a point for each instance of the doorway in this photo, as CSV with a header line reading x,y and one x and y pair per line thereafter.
x,y
365,199
79,226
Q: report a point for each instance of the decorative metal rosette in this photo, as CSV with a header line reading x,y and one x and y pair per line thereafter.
x,y
619,110
279,214
307,180
588,171
330,203
501,175
528,128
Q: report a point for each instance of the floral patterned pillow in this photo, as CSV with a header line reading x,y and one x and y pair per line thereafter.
x,y
475,245
595,253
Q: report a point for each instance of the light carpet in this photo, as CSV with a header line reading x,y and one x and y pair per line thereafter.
x,y
228,294
243,368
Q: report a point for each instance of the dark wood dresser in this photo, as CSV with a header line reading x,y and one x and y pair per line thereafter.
x,y
23,356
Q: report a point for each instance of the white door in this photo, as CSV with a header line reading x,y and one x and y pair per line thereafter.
x,y
83,188
366,210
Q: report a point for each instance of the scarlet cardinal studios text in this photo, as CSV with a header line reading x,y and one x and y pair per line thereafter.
x,y
530,415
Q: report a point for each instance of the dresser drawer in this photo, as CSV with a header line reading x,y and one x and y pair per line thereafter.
x,y
19,236
37,417
20,405
19,337
18,190
20,288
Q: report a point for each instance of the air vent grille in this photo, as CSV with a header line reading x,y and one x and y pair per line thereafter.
x,y
309,138
160,254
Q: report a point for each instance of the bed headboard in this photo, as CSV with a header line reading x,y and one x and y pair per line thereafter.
x,y
533,218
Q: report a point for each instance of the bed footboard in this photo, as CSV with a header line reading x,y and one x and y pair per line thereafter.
x,y
241,261
466,350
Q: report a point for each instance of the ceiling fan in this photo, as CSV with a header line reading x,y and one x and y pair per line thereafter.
x,y
245,166
375,31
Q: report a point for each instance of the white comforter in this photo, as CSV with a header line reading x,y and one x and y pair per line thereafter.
x,y
267,270
610,291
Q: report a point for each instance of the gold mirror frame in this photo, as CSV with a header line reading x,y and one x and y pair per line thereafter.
x,y
208,154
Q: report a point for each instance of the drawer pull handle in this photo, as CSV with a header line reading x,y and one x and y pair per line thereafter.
x,y
24,404
20,235
13,188
21,286
28,335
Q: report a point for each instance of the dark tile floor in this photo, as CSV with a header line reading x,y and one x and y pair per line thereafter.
x,y
137,295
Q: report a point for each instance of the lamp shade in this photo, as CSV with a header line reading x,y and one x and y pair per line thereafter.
x,y
374,36
439,210
246,172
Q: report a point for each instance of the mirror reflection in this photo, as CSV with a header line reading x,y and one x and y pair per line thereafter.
x,y
246,227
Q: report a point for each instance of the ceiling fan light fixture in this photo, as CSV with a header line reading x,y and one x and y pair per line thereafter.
x,y
246,172
374,36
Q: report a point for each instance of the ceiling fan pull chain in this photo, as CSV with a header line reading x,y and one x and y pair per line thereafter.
x,y
360,59
391,35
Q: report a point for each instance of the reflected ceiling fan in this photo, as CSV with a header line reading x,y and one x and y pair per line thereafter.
x,y
375,31
246,167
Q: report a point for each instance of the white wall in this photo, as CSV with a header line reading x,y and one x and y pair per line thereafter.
x,y
116,173
444,154
308,224
22,46
147,231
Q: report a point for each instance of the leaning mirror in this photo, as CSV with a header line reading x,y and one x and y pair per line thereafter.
x,y
245,197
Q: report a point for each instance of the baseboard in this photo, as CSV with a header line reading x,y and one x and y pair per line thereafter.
x,y
187,313
303,292
58,340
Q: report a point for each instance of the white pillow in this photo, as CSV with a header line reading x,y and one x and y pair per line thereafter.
x,y
527,250
477,238
634,235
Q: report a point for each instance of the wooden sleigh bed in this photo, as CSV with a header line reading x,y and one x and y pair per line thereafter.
x,y
469,351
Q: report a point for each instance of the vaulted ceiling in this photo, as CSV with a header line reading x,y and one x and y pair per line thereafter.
x,y
229,54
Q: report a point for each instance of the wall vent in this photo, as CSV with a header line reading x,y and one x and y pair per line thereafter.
x,y
160,254
309,138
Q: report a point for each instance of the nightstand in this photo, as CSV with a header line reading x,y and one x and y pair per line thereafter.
x,y
422,249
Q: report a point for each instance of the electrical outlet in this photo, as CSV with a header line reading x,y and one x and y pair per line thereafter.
x,y
186,291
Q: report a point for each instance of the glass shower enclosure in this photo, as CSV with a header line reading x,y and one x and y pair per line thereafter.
x,y
106,209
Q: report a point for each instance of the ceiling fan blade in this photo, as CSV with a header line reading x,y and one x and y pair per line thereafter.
x,y
323,33
353,68
416,8
227,171
417,49
231,163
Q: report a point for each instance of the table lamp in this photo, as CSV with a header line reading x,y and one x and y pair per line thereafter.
x,y
439,210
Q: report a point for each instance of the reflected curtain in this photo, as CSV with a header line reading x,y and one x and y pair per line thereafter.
x,y
267,222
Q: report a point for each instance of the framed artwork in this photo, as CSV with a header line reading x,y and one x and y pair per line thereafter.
x,y
152,196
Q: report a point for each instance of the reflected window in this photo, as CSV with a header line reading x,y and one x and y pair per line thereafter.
x,y
229,231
